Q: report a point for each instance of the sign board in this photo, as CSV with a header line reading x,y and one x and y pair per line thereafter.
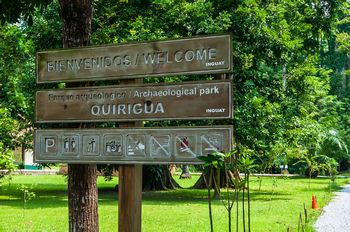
x,y
194,100
131,145
196,55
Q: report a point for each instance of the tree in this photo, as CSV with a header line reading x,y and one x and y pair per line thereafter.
x,y
8,127
76,17
121,22
16,87
82,189
276,45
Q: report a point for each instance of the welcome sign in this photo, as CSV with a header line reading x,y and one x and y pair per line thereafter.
x,y
197,55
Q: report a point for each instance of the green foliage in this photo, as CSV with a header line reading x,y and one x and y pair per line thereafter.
x,y
11,11
153,173
45,30
14,58
8,137
8,129
290,63
16,92
17,77
28,194
344,40
6,161
216,159
246,164
230,164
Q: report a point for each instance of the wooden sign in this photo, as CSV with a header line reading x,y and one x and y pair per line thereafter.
x,y
193,100
132,145
196,55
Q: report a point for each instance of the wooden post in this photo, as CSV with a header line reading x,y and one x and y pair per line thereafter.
x,y
130,187
130,198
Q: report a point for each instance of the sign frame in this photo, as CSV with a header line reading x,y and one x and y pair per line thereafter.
x,y
63,60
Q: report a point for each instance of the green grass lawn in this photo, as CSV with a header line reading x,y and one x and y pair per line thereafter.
x,y
275,207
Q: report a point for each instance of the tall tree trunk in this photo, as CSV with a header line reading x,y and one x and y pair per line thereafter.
x,y
82,198
347,76
157,177
76,16
217,179
220,178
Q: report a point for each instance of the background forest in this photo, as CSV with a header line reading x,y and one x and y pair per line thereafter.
x,y
291,70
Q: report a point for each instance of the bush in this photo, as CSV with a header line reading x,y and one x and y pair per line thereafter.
x,y
6,160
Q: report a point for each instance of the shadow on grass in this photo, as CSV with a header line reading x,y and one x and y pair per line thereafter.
x,y
323,185
196,196
53,198
46,196
55,195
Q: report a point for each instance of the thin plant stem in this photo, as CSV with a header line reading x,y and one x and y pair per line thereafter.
x,y
24,204
236,187
216,185
209,198
260,182
273,190
243,210
300,224
229,221
228,199
305,213
248,192
210,212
